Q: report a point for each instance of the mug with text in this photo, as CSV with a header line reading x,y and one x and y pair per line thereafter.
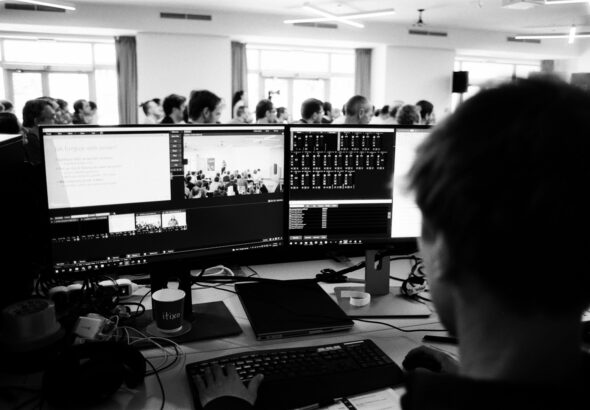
x,y
168,308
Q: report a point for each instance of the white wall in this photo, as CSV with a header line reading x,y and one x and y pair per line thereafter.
x,y
412,74
178,63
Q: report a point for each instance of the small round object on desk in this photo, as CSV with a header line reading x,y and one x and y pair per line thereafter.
x,y
357,298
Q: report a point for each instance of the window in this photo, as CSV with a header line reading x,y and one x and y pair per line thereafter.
x,y
482,72
289,76
64,69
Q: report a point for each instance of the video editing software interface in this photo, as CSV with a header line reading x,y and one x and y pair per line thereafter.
x,y
347,185
129,195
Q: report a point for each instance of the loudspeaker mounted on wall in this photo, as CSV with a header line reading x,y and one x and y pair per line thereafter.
x,y
460,81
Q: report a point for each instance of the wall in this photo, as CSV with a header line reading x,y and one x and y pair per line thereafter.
x,y
178,63
411,74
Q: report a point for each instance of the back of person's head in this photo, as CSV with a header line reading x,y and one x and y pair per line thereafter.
x,y
8,106
393,111
327,108
262,107
173,101
281,111
426,109
200,100
407,115
92,105
359,110
385,110
311,106
79,106
237,97
506,194
9,123
63,104
353,105
33,110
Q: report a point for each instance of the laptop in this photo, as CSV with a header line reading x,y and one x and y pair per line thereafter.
x,y
289,308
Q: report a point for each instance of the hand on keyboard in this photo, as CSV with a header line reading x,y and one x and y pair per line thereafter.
x,y
426,357
215,383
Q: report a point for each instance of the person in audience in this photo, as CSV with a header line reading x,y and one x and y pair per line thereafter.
x,y
519,338
408,115
63,114
152,110
426,112
241,116
312,111
82,112
265,112
9,123
93,117
237,101
8,106
282,115
327,116
204,107
36,112
384,116
359,110
173,106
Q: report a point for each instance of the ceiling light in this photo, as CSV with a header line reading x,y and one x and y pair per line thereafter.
x,y
332,16
551,2
550,36
63,6
344,18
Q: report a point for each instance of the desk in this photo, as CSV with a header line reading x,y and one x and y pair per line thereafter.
x,y
394,342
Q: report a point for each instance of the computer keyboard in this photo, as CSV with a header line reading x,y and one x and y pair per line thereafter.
x,y
303,376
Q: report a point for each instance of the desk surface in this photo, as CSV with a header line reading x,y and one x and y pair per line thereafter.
x,y
394,342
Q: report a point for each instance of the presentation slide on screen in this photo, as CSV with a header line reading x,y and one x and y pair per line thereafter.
x,y
94,170
406,220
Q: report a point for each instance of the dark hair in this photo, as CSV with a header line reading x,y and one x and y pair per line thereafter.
x,y
63,104
327,107
79,105
9,123
426,107
237,97
172,101
200,100
353,105
385,109
7,104
507,196
394,110
311,106
407,115
92,105
281,111
262,107
33,110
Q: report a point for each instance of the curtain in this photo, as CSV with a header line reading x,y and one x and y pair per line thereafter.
x,y
362,76
239,68
127,79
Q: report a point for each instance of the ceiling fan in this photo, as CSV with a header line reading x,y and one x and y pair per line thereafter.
x,y
59,5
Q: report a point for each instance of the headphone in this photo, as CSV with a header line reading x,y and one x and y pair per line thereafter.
x,y
87,374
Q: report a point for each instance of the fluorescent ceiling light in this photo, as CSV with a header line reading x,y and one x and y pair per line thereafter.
x,y
49,4
344,18
535,36
332,16
551,2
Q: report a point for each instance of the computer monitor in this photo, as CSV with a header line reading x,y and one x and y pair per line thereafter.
x,y
161,197
347,189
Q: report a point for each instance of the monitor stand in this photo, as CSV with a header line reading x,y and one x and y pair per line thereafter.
x,y
205,320
386,301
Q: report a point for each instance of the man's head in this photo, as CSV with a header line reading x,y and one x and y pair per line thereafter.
x,y
8,106
328,109
82,107
174,107
502,200
204,107
38,112
265,112
358,110
426,111
312,110
152,108
407,115
282,115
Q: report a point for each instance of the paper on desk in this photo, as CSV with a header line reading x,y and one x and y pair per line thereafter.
x,y
386,399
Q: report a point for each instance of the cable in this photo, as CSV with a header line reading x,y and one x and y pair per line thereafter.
x,y
159,382
254,274
398,328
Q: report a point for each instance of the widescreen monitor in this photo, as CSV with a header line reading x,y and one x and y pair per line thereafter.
x,y
129,196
